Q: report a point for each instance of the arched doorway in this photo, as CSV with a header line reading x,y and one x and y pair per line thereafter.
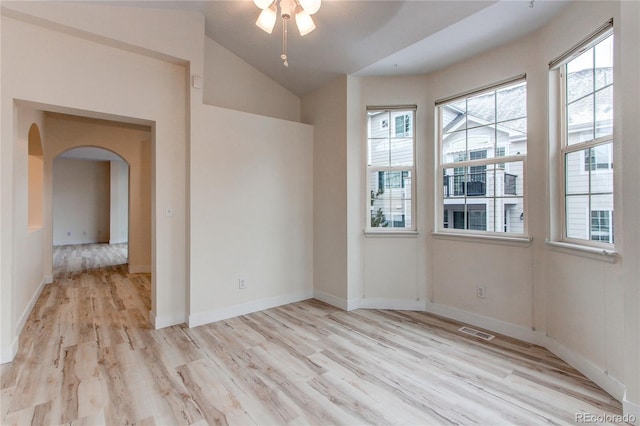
x,y
90,201
132,143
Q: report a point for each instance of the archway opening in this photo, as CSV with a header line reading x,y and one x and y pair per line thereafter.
x,y
91,201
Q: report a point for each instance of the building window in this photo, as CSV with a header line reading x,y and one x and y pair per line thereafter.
x,y
403,125
391,169
478,220
601,226
598,158
586,86
482,152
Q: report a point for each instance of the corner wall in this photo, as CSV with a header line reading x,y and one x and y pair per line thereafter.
x,y
27,247
391,266
326,110
251,214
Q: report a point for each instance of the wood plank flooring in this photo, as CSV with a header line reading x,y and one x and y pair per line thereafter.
x,y
88,356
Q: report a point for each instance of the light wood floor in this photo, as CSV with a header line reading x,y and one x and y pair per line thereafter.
x,y
88,356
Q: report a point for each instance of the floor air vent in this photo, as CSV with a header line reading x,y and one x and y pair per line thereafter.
x,y
477,333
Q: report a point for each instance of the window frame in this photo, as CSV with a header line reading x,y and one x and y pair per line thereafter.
x,y
584,148
498,163
369,169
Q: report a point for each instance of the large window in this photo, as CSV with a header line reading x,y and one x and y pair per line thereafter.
x,y
587,141
391,169
483,146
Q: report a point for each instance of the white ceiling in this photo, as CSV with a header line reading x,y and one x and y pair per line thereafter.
x,y
367,37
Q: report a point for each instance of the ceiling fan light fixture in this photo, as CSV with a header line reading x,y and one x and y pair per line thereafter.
x,y
301,9
310,6
305,23
267,20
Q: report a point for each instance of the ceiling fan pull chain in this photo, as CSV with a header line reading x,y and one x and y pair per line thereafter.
x,y
284,42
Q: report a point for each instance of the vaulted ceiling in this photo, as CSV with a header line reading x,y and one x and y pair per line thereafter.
x,y
368,37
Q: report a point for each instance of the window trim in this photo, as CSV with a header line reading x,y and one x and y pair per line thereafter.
x,y
368,229
440,166
559,67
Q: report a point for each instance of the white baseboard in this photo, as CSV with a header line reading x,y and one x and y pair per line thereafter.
x,y
25,315
332,300
631,411
595,373
8,354
48,279
220,314
139,269
118,241
166,320
488,323
392,304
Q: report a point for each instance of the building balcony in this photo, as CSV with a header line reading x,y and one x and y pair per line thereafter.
x,y
455,185
476,185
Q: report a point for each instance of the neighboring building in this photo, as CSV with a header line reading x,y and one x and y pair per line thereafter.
x,y
390,160
589,172
484,197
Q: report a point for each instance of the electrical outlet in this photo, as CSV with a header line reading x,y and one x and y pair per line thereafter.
x,y
480,291
242,284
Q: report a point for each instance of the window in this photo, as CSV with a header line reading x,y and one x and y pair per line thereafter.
x,y
387,180
403,125
598,158
483,145
501,152
601,226
586,86
391,169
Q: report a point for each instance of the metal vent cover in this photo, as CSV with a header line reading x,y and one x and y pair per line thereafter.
x,y
476,333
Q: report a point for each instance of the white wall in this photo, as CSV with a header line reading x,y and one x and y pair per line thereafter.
x,y
27,246
251,214
63,69
81,201
230,82
630,105
506,271
394,268
584,295
326,110
119,202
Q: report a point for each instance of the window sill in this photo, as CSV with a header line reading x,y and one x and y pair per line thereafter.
x,y
390,234
595,253
495,239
